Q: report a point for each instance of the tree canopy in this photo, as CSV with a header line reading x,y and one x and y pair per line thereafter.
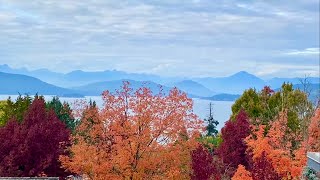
x,y
314,132
14,109
283,147
203,166
136,135
63,111
33,147
232,150
264,106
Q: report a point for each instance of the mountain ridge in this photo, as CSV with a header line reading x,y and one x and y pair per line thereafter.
x,y
197,87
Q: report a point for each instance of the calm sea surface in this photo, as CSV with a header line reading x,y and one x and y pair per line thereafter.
x,y
221,109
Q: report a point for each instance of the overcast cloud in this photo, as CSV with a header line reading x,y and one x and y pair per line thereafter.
x,y
165,37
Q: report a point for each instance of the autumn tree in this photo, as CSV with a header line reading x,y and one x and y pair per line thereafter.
x,y
136,135
263,170
32,147
314,132
63,111
203,167
233,148
241,174
282,146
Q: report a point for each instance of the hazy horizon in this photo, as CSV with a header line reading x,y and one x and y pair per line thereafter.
x,y
187,78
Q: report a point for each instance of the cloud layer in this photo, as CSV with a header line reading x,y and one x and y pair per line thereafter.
x,y
170,38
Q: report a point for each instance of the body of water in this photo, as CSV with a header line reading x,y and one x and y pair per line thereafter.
x,y
221,109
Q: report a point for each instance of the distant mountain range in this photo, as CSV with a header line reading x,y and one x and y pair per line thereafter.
x,y
97,88
76,83
234,84
237,83
277,82
79,78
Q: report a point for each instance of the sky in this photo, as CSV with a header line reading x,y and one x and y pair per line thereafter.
x,y
186,38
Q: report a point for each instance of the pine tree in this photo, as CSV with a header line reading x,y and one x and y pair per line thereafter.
x,y
63,111
212,124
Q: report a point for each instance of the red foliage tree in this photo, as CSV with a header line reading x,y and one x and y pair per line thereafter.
x,y
263,170
232,150
267,90
314,132
203,167
32,148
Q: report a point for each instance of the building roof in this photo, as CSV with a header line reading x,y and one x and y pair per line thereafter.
x,y
314,156
314,161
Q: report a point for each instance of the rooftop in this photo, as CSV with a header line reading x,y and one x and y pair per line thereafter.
x,y
314,156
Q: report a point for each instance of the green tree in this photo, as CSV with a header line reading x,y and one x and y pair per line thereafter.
x,y
212,124
14,109
2,105
63,112
263,107
211,142
249,101
211,139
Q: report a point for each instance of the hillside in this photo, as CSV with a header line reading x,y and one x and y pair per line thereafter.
x,y
192,87
22,84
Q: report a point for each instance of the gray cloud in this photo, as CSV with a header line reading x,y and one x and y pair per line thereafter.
x,y
184,38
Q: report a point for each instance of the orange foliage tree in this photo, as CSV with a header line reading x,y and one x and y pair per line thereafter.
x,y
136,135
283,147
314,132
241,174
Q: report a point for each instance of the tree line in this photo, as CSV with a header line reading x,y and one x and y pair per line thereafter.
x,y
139,135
